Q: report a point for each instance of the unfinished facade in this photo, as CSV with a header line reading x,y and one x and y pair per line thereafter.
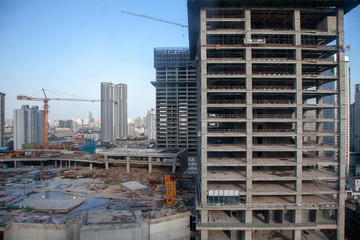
x,y
265,168
176,99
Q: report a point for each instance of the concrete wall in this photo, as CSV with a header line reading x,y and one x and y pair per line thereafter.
x,y
20,231
112,232
176,227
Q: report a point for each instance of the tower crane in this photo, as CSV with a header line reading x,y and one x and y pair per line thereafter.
x,y
46,109
155,19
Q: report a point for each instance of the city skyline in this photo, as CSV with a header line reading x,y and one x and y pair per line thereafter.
x,y
71,47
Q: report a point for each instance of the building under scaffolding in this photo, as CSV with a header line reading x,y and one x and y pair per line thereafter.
x,y
265,167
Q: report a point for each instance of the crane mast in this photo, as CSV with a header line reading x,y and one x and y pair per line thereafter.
x,y
46,111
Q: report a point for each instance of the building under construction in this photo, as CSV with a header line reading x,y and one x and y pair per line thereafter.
x,y
176,99
266,172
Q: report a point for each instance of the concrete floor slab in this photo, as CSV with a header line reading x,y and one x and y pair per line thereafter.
x,y
133,185
51,204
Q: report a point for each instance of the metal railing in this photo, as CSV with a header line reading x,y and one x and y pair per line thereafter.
x,y
226,87
216,115
218,130
273,116
216,101
274,130
273,101
274,87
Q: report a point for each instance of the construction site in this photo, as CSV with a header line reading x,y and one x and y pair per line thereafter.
x,y
74,195
273,123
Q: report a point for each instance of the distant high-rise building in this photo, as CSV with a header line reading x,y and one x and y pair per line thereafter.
x,y
107,111
355,121
120,110
113,111
151,124
91,119
28,126
176,99
2,119
68,124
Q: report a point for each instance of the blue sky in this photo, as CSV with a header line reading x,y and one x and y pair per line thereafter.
x,y
70,47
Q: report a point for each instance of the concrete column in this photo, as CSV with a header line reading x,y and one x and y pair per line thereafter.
x,y
60,163
233,235
75,164
4,165
247,25
297,27
15,164
203,110
297,235
204,235
174,165
91,166
344,118
107,165
247,235
42,164
150,164
55,163
69,164
248,216
204,218
127,163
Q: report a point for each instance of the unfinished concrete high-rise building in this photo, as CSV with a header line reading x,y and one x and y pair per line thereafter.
x,y
263,170
176,99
